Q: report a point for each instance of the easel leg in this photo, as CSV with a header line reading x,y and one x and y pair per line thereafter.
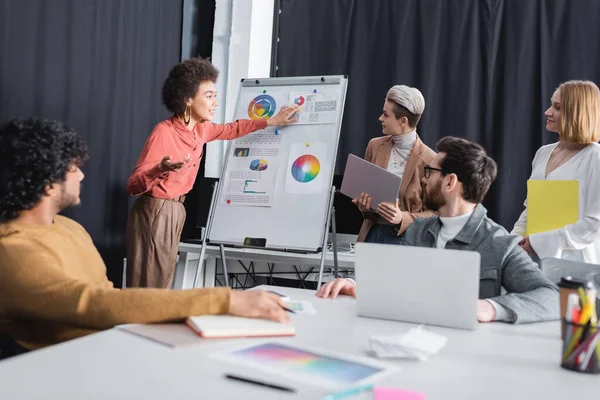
x,y
224,264
205,238
334,244
324,247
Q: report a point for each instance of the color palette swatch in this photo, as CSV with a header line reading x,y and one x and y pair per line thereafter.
x,y
259,165
296,361
262,106
306,168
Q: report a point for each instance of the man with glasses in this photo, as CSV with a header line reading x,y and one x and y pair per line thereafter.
x,y
454,184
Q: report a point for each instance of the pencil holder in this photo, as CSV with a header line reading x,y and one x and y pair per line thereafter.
x,y
581,348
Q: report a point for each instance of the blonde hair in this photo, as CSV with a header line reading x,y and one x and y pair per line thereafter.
x,y
408,102
580,105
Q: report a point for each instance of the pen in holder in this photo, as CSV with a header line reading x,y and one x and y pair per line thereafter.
x,y
581,347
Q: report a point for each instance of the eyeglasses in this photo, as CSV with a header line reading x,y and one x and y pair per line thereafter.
x,y
427,171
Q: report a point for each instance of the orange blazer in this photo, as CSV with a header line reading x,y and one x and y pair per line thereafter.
x,y
411,193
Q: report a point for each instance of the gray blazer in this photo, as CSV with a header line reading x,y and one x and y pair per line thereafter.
x,y
529,294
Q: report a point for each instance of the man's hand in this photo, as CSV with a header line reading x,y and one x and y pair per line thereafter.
x,y
257,304
391,212
166,165
283,117
526,245
485,311
363,202
331,289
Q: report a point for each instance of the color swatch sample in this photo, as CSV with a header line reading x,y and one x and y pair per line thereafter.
x,y
306,168
384,393
262,106
259,165
301,362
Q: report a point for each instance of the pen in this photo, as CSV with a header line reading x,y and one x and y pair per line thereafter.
x,y
349,392
587,355
582,297
572,305
288,310
259,383
572,300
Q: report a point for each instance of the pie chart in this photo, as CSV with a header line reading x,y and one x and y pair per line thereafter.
x,y
258,165
262,106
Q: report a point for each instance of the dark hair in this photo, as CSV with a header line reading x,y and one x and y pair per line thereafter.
x,y
401,111
469,161
34,153
184,80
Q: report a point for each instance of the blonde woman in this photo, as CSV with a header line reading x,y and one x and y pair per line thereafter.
x,y
574,115
401,152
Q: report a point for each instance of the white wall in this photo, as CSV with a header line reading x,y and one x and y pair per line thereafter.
x,y
242,41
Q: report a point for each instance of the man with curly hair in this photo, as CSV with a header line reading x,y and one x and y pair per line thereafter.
x,y
53,284
168,165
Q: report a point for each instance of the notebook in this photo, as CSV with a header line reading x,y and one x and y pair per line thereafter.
x,y
226,326
551,205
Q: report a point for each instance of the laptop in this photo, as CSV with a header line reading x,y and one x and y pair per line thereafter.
x,y
417,284
360,176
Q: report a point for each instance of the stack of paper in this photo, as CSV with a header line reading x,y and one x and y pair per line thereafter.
x,y
418,344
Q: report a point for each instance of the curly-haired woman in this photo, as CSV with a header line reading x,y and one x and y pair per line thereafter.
x,y
168,166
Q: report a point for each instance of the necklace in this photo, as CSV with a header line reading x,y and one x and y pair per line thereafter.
x,y
554,165
399,164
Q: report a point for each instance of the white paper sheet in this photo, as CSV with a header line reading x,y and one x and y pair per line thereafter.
x,y
316,108
252,168
306,166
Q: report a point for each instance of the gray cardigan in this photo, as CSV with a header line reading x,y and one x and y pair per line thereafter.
x,y
529,294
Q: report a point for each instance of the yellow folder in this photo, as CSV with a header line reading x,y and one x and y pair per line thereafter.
x,y
551,205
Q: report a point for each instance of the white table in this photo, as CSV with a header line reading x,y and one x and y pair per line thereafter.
x,y
189,255
497,361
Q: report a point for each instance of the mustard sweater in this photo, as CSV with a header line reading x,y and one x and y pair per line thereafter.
x,y
53,287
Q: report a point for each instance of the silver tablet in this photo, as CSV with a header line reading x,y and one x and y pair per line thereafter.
x,y
360,176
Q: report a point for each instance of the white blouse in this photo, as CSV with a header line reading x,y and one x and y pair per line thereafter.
x,y
579,241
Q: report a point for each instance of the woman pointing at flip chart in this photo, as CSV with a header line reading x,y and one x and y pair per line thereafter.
x,y
168,165
575,115
401,152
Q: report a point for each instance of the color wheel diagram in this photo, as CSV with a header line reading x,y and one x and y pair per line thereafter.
x,y
259,165
299,101
306,168
262,106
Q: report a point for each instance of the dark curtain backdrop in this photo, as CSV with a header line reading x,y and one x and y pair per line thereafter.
x,y
97,65
487,70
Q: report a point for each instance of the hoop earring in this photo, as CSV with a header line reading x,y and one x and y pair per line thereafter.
x,y
185,114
